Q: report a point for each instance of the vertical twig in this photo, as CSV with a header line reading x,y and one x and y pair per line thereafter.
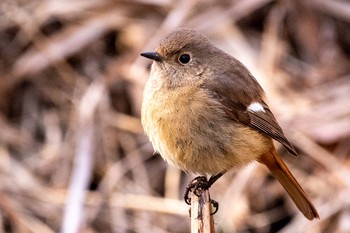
x,y
83,163
201,219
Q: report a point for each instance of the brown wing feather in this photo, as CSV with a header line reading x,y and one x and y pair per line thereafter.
x,y
235,97
265,122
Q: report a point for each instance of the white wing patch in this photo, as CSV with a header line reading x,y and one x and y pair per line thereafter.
x,y
255,107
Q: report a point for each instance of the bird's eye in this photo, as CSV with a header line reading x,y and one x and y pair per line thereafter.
x,y
184,58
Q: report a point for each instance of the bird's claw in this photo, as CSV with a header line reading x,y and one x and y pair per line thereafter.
x,y
197,186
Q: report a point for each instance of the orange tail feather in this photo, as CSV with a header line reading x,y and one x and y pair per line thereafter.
x,y
279,169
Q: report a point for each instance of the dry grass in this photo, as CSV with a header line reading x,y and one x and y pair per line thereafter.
x,y
73,152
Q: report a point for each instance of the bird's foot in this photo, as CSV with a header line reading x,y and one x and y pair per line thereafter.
x,y
197,186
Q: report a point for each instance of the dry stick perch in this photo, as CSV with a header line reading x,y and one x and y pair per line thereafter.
x,y
201,219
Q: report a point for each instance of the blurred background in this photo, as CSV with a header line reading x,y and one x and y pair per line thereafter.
x,y
73,156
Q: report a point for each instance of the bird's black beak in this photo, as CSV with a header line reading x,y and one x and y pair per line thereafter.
x,y
152,55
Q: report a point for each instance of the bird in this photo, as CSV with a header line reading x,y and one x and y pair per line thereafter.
x,y
205,113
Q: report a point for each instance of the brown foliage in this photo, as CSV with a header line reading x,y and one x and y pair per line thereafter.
x,y
71,143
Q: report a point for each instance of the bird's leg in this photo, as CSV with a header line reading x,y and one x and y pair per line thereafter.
x,y
200,183
214,178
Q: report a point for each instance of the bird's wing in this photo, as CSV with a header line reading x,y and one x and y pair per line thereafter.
x,y
246,105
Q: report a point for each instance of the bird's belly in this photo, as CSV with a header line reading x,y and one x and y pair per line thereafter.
x,y
196,135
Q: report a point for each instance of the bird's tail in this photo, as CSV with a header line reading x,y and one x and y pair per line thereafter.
x,y
280,170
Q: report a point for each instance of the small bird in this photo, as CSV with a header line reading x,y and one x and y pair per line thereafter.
x,y
205,113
